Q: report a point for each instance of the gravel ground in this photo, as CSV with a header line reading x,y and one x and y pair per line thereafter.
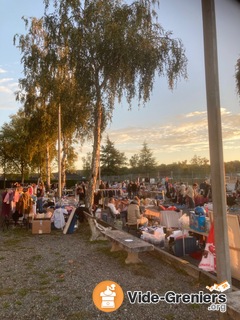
x,y
52,277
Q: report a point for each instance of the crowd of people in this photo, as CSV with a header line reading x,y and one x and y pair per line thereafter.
x,y
119,199
22,201
129,205
178,193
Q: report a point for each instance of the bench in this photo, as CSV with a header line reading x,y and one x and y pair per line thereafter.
x,y
96,227
121,240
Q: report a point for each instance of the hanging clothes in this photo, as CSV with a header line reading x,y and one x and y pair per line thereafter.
x,y
6,203
16,197
25,203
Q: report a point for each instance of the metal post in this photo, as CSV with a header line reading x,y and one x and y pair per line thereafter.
x,y
59,155
215,142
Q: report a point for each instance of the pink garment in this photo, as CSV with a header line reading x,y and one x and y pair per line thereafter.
x,y
16,196
30,190
6,198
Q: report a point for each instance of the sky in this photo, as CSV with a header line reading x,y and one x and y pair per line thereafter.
x,y
174,122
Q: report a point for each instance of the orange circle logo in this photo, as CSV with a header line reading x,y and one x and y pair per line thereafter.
x,y
108,296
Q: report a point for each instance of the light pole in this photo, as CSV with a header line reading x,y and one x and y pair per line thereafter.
x,y
215,142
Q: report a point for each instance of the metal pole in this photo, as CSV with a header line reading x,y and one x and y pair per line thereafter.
x,y
215,142
59,155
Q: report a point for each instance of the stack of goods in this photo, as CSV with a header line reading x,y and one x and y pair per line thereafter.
x,y
198,220
154,235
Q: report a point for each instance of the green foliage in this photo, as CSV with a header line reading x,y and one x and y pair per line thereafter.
x,y
47,84
113,49
111,159
16,145
144,161
84,55
134,160
87,161
199,161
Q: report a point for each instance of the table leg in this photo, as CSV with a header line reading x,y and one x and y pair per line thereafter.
x,y
115,247
132,258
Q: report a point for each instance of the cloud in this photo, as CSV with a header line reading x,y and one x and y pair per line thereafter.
x,y
182,134
195,114
2,70
7,88
6,80
9,105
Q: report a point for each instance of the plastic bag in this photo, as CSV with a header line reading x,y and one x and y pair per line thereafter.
x,y
208,262
184,221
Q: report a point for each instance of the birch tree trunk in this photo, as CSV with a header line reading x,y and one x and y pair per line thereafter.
x,y
48,167
96,156
63,163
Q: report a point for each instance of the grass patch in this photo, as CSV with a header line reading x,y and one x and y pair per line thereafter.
x,y
6,291
29,264
59,271
43,277
19,303
43,290
35,273
6,305
169,316
13,242
137,269
23,292
194,306
51,299
81,315
141,270
45,282
120,256
181,271
37,257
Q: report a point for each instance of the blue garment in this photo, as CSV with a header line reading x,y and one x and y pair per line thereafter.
x,y
40,205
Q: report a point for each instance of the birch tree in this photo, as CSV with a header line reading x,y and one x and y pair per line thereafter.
x,y
116,49
109,51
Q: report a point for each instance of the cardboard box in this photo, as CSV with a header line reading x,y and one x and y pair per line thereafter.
x,y
41,226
